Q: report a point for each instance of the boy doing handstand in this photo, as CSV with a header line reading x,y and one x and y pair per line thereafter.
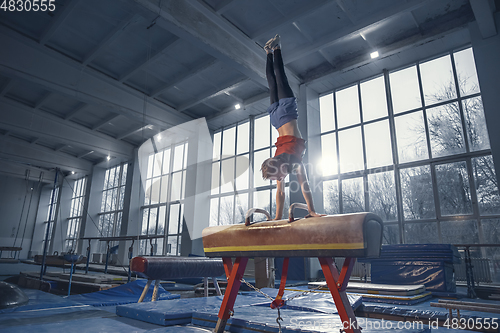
x,y
290,146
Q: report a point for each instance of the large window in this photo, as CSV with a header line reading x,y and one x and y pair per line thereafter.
x,y
230,195
237,183
51,217
75,215
412,146
110,217
163,209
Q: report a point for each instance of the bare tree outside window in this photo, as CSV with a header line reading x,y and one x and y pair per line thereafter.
x,y
382,191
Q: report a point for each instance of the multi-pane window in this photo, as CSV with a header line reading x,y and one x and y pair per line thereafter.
x,y
75,215
412,146
163,209
237,183
231,186
51,216
110,217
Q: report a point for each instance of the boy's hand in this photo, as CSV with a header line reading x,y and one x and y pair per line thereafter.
x,y
314,214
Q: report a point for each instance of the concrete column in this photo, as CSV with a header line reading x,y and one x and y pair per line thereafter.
x,y
83,244
131,216
197,203
42,213
60,228
90,221
18,204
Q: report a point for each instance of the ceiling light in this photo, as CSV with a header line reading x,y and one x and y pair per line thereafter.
x,y
108,158
374,54
237,106
72,172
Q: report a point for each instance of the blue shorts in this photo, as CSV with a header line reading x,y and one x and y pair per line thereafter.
x,y
283,111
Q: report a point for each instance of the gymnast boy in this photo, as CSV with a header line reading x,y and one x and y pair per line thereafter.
x,y
290,146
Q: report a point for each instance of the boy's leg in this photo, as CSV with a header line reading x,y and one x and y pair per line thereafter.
x,y
271,79
284,89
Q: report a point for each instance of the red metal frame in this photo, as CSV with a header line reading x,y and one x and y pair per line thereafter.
x,y
233,286
337,284
278,302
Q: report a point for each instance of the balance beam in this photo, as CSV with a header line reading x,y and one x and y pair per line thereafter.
x,y
350,235
164,268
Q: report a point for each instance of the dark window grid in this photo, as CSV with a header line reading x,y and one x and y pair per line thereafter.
x,y
111,194
76,213
251,188
448,159
271,185
54,193
73,229
236,135
167,204
77,199
428,161
54,205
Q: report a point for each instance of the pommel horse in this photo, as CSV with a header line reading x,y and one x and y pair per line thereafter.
x,y
350,235
164,268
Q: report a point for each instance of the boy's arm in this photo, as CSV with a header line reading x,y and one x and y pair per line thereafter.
x,y
306,191
280,199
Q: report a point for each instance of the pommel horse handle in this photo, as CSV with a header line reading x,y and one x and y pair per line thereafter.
x,y
256,210
292,207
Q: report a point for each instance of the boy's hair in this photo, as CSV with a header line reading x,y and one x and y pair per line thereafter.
x,y
271,165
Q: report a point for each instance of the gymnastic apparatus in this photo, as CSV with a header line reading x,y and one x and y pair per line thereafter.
x,y
351,236
164,268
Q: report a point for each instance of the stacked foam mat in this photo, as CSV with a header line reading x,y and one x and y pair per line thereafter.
x,y
427,264
384,293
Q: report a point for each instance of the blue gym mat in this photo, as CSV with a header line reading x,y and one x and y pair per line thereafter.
x,y
254,318
108,325
46,308
124,294
40,300
318,301
179,311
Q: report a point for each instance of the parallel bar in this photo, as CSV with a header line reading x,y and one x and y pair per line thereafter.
x,y
482,307
491,305
216,286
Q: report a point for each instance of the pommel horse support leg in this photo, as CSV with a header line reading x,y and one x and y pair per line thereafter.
x,y
351,236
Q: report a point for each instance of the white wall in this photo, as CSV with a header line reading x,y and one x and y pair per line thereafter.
x,y
14,193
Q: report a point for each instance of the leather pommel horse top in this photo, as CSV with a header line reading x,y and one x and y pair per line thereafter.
x,y
347,235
